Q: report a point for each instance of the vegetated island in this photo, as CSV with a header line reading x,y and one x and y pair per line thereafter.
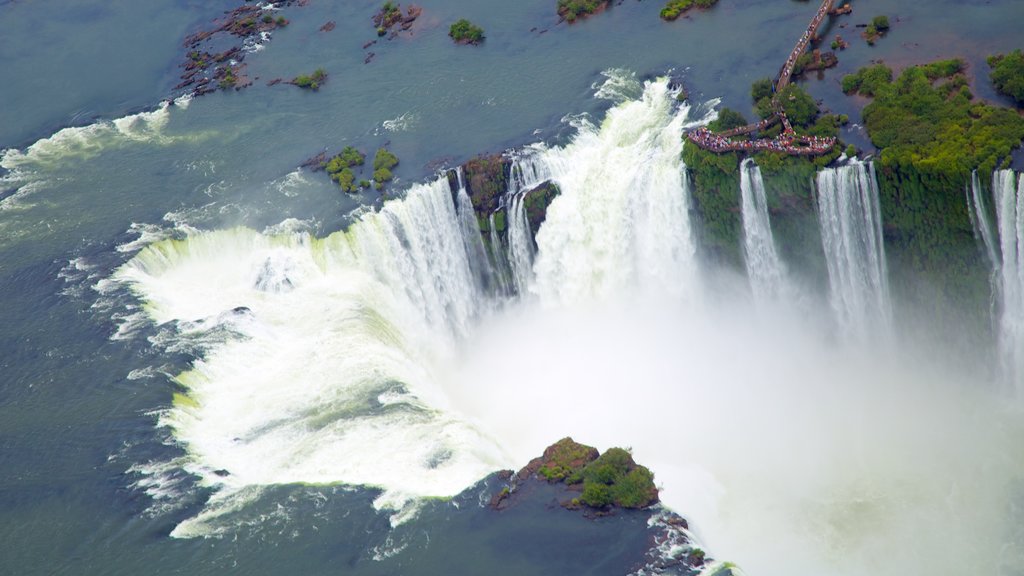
x,y
310,81
573,10
676,8
1008,74
345,168
465,32
602,485
878,27
390,18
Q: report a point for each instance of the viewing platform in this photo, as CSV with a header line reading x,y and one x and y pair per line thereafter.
x,y
788,142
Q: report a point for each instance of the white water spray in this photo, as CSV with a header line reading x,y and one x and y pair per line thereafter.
x,y
765,270
1009,201
851,234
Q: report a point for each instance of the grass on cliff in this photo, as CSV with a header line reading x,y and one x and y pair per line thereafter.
x,y
927,119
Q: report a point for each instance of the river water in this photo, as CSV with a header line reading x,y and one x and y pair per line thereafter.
x,y
128,379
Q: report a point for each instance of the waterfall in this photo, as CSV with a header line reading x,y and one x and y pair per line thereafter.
x,y
620,223
764,267
851,234
979,215
318,348
324,359
1008,193
526,174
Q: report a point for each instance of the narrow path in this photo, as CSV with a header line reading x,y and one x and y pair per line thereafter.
x,y
788,142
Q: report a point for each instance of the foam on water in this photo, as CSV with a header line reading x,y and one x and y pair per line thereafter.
x,y
322,363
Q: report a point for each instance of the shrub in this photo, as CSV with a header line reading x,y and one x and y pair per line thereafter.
x,y
465,32
384,159
313,81
881,23
380,176
1008,74
346,179
573,9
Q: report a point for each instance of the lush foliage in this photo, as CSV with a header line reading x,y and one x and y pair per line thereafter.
x,y
312,81
675,8
573,9
880,23
340,168
615,479
926,119
1008,74
383,162
464,31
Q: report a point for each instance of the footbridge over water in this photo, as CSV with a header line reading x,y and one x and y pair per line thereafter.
x,y
788,142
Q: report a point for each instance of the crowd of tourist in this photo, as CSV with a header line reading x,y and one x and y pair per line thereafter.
x,y
789,143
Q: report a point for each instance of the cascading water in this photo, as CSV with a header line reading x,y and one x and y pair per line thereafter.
x,y
620,222
1009,201
851,234
525,175
334,365
764,267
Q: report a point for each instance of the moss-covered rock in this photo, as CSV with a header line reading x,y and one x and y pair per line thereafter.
x,y
607,480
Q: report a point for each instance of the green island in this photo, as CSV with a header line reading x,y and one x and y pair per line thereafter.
x,y
383,162
676,8
339,168
608,480
311,81
879,27
572,10
1008,74
465,32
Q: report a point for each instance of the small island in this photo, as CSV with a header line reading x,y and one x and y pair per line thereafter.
x,y
676,8
573,10
465,32
310,81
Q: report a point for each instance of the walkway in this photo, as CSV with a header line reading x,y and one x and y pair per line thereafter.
x,y
788,142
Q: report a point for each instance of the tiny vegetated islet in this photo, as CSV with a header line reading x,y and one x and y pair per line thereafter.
x,y
465,32
606,480
390,15
878,27
383,162
573,10
676,8
1008,74
340,169
311,81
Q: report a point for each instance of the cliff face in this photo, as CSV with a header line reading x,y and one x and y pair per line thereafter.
x,y
486,180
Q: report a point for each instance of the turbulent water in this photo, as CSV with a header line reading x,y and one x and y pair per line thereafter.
x,y
764,267
851,234
326,347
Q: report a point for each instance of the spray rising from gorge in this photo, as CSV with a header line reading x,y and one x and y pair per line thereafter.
x,y
391,344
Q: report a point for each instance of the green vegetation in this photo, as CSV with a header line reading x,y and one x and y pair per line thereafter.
x,y
383,162
571,10
609,479
1008,74
465,32
340,168
926,120
932,135
878,27
228,80
282,21
615,479
676,8
313,81
564,459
